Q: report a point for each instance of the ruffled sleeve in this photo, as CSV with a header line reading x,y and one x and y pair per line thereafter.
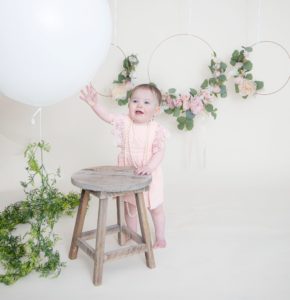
x,y
160,138
118,123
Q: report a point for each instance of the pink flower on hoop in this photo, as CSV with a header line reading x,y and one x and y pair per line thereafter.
x,y
169,102
196,106
185,101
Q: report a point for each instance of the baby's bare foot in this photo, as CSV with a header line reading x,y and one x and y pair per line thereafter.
x,y
159,244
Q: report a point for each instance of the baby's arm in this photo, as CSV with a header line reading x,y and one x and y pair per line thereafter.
x,y
90,96
153,163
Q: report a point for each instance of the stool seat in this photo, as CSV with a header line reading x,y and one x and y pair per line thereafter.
x,y
110,179
107,183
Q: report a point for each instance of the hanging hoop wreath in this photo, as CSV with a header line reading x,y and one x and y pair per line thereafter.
x,y
186,106
245,85
123,84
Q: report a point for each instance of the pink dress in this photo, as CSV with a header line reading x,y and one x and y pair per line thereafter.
x,y
137,143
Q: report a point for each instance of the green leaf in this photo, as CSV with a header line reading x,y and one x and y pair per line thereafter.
x,y
189,114
222,78
235,54
176,112
223,91
249,76
248,65
213,113
209,107
172,91
248,49
233,62
237,88
204,84
223,66
180,126
259,84
245,97
169,111
193,92
181,119
126,63
122,101
212,81
189,124
121,78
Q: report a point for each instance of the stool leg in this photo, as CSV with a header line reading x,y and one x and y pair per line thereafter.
x,y
79,224
100,241
144,226
120,209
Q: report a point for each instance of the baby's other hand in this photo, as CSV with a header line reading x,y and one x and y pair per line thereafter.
x,y
146,170
89,95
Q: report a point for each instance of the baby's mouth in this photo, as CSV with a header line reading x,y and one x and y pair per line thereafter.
x,y
139,112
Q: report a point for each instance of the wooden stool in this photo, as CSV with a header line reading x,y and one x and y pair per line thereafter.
x,y
107,183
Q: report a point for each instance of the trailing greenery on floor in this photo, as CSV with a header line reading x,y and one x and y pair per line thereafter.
x,y
43,206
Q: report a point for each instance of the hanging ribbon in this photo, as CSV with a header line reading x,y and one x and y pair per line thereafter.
x,y
33,122
259,20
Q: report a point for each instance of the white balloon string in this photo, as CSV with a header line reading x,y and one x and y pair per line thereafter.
x,y
203,143
259,20
38,112
189,4
188,149
115,13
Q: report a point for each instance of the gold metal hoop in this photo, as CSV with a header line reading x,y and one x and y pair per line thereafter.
x,y
124,55
171,37
287,53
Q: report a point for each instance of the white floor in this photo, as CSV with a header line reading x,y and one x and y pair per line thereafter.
x,y
222,244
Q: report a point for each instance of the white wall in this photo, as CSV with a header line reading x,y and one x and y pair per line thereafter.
x,y
247,146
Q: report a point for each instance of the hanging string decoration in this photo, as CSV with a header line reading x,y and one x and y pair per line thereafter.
x,y
245,85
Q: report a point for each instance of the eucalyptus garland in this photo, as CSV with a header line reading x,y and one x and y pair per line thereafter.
x,y
41,209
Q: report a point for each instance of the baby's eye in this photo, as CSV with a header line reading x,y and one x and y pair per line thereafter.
x,y
147,102
134,101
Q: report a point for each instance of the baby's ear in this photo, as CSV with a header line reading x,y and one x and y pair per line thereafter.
x,y
157,110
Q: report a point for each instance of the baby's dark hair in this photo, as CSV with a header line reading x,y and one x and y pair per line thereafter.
x,y
152,88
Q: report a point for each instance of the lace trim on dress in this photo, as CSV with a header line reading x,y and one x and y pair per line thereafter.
x,y
118,129
159,140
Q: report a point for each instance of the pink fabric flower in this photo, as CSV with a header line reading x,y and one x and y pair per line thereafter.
x,y
239,80
177,102
216,89
196,105
247,87
170,102
206,94
185,101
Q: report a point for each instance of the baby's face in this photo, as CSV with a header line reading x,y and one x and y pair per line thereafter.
x,y
143,105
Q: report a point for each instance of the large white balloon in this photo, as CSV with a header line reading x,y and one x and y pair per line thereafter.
x,y
49,49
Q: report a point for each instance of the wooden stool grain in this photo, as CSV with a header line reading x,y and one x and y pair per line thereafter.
x,y
107,183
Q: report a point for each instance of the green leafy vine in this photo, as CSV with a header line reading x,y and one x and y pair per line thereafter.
x,y
41,209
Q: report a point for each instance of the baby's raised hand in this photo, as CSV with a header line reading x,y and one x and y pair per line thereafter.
x,y
89,95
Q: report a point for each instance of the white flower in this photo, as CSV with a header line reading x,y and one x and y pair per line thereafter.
x,y
124,73
232,73
119,91
217,73
238,65
247,87
217,66
133,59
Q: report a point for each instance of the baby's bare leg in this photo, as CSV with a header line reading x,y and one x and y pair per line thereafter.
x,y
158,217
131,217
